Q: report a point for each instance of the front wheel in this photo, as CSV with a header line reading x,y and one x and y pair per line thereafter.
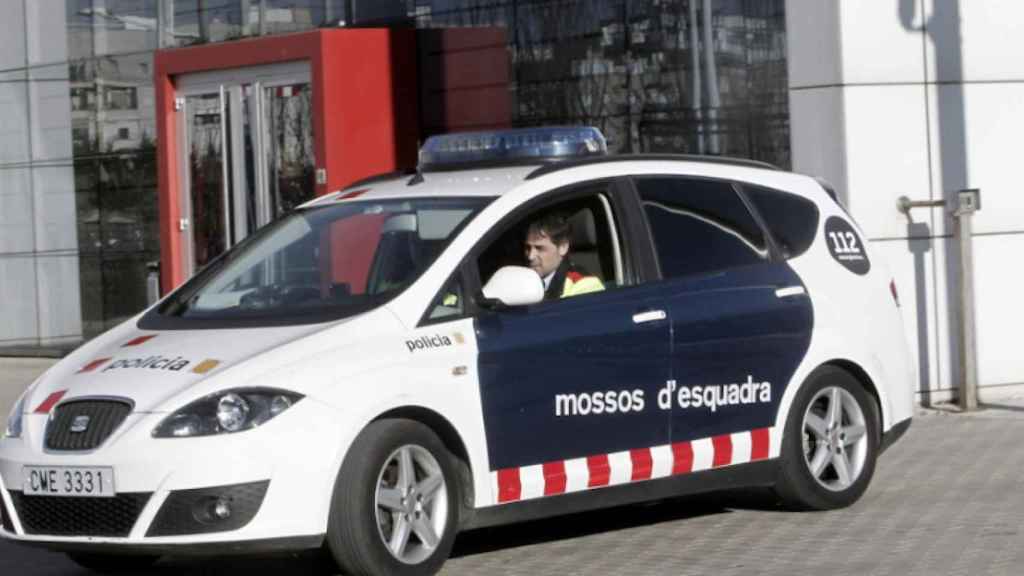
x,y
395,505
830,442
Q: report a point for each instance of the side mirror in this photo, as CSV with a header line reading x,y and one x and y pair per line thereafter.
x,y
514,286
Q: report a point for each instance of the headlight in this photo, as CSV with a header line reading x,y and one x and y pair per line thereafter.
x,y
226,412
13,429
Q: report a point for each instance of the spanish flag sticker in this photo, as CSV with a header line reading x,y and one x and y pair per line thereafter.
x,y
205,366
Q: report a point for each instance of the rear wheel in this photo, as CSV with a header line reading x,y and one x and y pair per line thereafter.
x,y
830,442
395,504
112,564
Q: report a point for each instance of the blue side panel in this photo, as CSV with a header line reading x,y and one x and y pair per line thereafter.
x,y
736,345
584,347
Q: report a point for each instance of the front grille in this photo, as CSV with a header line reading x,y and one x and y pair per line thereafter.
x,y
5,518
104,416
78,516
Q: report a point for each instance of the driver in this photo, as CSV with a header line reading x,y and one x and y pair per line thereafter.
x,y
547,248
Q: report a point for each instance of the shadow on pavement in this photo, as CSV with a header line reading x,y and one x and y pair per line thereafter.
x,y
609,520
1002,407
470,543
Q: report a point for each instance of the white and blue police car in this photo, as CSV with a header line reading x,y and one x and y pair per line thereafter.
x,y
381,368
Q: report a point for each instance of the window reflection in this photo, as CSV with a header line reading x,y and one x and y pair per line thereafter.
x,y
684,76
114,147
100,27
196,21
288,114
637,69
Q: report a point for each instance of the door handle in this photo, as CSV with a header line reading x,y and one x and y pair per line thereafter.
x,y
789,291
649,316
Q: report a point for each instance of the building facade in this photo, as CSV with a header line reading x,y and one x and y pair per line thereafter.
x,y
922,98
916,98
78,201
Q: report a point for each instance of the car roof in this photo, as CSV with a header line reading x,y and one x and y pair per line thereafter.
x,y
496,179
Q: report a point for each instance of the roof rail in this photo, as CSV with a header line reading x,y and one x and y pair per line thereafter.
x,y
565,164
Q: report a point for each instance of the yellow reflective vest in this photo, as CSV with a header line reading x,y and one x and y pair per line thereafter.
x,y
577,283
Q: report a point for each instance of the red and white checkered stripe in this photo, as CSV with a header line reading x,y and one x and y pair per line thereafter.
x,y
578,474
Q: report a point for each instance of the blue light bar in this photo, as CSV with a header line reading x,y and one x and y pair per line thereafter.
x,y
448,151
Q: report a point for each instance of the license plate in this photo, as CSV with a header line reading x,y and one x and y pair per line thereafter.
x,y
68,481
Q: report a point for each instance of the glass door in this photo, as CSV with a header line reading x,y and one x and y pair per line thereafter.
x,y
207,201
246,155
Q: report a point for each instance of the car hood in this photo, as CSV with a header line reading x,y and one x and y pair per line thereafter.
x,y
151,367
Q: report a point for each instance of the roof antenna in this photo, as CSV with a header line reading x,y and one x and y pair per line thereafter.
x,y
416,179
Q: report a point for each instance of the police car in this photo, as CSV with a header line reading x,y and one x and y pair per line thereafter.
x,y
382,368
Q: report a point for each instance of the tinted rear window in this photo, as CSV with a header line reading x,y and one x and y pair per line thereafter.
x,y
699,226
792,220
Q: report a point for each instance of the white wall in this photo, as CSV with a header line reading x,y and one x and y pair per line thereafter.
x,y
922,98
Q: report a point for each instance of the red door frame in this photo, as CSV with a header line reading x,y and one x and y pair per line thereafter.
x,y
364,109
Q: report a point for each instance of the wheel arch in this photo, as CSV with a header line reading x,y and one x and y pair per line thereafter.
x,y
865,380
449,436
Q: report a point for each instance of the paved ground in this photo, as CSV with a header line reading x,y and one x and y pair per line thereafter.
x,y
15,375
947,499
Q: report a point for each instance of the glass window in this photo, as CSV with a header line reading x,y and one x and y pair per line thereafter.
x,y
641,72
699,226
571,245
792,220
197,21
288,116
326,262
113,143
113,288
101,27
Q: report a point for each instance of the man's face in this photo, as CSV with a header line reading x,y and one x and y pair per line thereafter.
x,y
543,255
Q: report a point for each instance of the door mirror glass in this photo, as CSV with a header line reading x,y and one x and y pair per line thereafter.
x,y
515,286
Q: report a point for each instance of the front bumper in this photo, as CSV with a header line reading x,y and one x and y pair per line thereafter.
x,y
278,479
266,546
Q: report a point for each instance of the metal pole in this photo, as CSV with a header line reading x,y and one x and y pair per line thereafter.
x,y
204,27
968,202
695,74
711,68
968,344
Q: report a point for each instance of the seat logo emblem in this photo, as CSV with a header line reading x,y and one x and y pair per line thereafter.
x,y
80,424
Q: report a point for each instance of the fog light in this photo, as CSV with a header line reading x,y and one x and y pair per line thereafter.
x,y
212,509
208,510
221,509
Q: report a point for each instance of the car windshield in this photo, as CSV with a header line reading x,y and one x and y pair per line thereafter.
x,y
324,262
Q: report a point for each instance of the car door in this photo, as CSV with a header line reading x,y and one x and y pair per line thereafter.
x,y
568,386
741,318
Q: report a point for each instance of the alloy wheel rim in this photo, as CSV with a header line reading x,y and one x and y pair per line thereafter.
x,y
411,504
835,440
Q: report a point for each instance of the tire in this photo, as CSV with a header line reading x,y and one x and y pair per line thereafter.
x,y
824,465
111,563
369,514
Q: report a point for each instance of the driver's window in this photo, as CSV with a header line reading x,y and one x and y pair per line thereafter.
x,y
573,247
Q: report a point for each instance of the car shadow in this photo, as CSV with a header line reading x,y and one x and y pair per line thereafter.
x,y
485,540
559,528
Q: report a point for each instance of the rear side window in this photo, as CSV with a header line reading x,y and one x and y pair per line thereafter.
x,y
699,226
792,220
